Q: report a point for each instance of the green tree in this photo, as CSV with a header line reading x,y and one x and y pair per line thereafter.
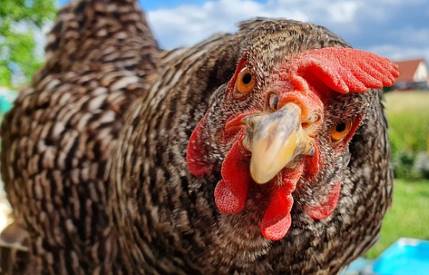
x,y
19,20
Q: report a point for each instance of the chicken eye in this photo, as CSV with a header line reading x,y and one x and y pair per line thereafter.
x,y
341,130
245,83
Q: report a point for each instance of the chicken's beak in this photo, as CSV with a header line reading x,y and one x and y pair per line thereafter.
x,y
275,140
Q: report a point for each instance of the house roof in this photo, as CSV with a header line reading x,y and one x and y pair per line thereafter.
x,y
407,69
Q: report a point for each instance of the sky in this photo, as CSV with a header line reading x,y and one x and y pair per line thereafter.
x,y
398,29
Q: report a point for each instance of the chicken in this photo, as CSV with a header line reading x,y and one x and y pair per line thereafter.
x,y
256,152
259,152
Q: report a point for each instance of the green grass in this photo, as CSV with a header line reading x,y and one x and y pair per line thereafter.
x,y
408,216
408,116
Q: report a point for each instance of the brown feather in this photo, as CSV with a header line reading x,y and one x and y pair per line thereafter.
x,y
93,154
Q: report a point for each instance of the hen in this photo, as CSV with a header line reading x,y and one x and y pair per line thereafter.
x,y
263,151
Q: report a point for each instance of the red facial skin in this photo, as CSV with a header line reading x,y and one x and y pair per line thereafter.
x,y
197,165
307,80
325,209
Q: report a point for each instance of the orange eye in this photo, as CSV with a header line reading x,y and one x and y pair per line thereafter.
x,y
341,130
245,83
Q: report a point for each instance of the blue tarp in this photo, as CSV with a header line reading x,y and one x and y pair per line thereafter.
x,y
5,104
7,98
405,257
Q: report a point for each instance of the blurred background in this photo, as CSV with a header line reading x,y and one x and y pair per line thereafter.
x,y
398,29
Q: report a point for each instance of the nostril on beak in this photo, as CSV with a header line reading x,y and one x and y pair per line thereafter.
x,y
311,108
313,119
273,102
305,125
311,124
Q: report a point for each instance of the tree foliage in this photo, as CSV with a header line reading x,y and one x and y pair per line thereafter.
x,y
19,21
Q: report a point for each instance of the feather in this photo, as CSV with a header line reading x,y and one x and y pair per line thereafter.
x,y
108,167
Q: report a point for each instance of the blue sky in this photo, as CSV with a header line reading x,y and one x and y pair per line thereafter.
x,y
396,28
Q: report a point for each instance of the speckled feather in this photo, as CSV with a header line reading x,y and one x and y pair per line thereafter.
x,y
56,141
167,218
94,164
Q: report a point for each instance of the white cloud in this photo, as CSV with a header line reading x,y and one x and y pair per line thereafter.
x,y
408,43
369,23
188,24
399,52
418,36
334,11
344,12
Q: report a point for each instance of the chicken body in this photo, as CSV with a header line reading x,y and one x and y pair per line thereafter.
x,y
58,137
94,155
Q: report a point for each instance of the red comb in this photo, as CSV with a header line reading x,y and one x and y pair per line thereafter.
x,y
346,70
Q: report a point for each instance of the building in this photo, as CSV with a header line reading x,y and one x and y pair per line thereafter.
x,y
413,74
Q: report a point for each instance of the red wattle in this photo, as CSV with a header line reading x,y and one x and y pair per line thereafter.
x,y
231,192
326,208
277,219
290,177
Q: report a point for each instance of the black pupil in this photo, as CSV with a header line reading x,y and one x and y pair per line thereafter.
x,y
340,127
247,78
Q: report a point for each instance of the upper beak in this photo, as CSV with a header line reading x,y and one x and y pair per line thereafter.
x,y
275,140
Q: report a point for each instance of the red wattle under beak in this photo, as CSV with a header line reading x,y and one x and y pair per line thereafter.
x,y
277,219
231,192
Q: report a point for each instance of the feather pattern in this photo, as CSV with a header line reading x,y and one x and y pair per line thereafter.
x,y
56,141
93,154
